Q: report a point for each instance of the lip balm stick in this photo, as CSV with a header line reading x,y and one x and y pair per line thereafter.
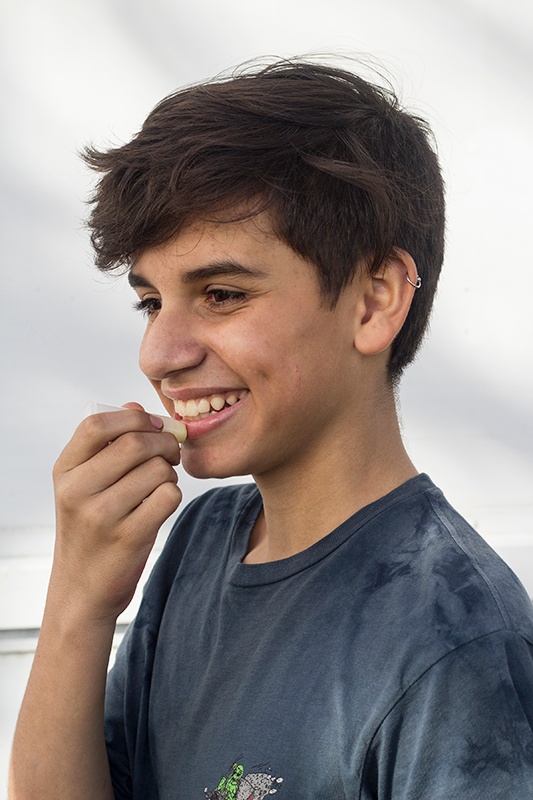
x,y
174,426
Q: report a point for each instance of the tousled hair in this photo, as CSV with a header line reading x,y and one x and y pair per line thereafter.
x,y
345,174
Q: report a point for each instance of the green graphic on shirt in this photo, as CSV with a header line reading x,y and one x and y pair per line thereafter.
x,y
228,785
235,785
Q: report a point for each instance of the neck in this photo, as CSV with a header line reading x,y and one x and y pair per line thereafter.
x,y
313,497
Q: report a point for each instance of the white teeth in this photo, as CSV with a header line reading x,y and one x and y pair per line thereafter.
x,y
217,402
204,406
191,408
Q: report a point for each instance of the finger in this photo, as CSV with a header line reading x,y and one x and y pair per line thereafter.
x,y
116,502
157,507
176,427
149,507
113,463
96,431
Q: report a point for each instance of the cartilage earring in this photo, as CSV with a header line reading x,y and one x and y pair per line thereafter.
x,y
418,283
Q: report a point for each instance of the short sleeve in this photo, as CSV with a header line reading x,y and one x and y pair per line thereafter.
x,y
117,751
463,730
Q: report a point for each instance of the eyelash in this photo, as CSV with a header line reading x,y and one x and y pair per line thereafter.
x,y
225,297
146,306
229,296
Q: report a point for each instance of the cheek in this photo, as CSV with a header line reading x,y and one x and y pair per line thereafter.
x,y
297,378
247,350
143,356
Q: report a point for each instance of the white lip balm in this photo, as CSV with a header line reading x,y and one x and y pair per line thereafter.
x,y
174,426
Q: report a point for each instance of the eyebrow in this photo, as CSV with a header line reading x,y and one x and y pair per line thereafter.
x,y
135,280
213,270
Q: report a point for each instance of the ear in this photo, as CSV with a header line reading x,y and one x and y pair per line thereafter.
x,y
384,302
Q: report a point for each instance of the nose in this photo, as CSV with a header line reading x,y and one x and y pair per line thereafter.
x,y
170,344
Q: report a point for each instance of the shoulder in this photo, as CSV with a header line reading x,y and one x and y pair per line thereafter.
x,y
431,582
460,625
473,573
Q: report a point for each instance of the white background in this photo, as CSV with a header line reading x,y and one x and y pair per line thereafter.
x,y
76,72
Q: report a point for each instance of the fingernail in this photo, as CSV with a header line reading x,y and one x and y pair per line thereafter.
x,y
157,422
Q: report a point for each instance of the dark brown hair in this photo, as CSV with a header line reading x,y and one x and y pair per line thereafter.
x,y
345,174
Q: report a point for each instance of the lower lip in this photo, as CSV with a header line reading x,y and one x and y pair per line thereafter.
x,y
201,427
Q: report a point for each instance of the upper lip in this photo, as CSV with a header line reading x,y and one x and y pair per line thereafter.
x,y
197,393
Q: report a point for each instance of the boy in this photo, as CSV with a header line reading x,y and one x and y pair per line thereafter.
x,y
334,630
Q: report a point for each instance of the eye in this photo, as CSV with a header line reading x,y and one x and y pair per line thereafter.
x,y
148,306
220,298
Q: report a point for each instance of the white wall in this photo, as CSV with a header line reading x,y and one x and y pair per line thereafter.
x,y
72,72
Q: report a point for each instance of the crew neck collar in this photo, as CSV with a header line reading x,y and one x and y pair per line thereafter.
x,y
248,575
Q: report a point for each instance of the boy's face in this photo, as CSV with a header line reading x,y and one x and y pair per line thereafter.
x,y
236,319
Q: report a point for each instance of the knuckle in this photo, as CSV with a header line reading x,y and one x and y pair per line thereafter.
x,y
162,470
132,444
68,493
171,493
140,417
172,449
92,427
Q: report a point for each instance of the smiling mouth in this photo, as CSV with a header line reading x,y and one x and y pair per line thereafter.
x,y
202,407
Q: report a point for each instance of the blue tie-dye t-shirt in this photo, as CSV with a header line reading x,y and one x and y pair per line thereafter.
x,y
392,659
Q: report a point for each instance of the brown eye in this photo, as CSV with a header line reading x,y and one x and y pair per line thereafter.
x,y
223,297
148,306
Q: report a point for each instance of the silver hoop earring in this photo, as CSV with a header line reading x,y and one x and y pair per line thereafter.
x,y
418,283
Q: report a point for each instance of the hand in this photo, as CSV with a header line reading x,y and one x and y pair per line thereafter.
x,y
114,485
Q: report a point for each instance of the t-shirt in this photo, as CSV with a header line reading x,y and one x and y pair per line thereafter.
x,y
391,659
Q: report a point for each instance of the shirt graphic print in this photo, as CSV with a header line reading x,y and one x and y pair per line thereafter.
x,y
235,785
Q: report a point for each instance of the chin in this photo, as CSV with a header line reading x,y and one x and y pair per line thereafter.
x,y
200,468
